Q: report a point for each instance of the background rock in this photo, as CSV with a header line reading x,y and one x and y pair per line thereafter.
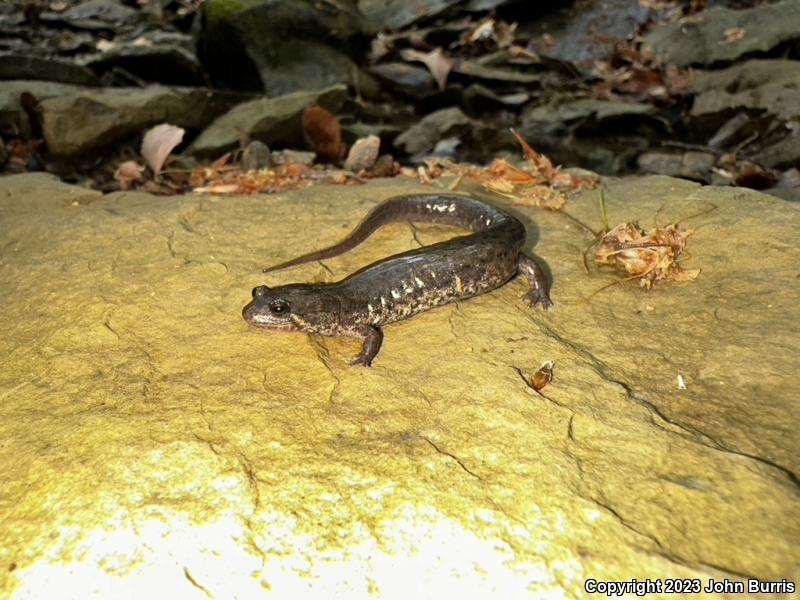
x,y
16,66
270,120
281,46
772,85
10,92
90,119
423,136
689,165
688,42
396,14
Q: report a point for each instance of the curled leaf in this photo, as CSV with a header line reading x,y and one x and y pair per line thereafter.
x,y
543,376
157,144
438,64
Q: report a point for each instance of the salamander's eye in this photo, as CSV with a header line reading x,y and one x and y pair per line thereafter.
x,y
278,307
259,291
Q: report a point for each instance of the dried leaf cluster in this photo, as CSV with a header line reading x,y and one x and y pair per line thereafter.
x,y
321,130
633,73
222,178
650,257
541,184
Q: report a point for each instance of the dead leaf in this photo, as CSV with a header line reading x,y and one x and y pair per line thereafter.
x,y
650,257
490,28
128,173
543,376
483,31
541,184
541,196
734,34
438,64
158,142
323,133
221,177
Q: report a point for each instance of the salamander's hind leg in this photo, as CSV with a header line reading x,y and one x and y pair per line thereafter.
x,y
373,338
540,286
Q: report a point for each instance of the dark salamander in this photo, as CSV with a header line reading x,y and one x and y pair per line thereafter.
x,y
404,284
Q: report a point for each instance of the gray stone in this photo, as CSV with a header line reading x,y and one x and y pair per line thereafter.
x,y
496,74
772,85
440,124
408,78
734,130
94,15
289,45
256,156
10,92
588,30
689,165
165,58
270,120
586,107
363,154
704,43
19,66
782,154
87,120
397,14
298,65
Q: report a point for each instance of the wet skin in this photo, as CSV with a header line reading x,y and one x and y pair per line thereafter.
x,y
403,285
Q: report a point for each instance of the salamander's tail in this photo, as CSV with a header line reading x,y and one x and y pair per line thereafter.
x,y
366,228
449,209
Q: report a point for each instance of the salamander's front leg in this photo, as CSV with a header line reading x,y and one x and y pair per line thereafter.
x,y
373,338
540,286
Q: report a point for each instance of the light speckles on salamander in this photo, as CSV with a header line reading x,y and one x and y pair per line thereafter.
x,y
405,284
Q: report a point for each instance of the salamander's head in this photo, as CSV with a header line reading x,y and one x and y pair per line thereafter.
x,y
295,307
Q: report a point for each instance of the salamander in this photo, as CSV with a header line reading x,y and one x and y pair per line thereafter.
x,y
405,284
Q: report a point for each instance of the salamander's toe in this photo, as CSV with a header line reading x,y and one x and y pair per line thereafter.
x,y
539,297
361,359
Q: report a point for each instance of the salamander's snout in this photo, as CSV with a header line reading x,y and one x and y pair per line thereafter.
x,y
260,291
269,309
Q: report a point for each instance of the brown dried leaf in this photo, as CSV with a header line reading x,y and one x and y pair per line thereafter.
x,y
158,142
650,257
539,162
541,196
543,376
541,185
482,31
438,64
734,34
219,178
490,29
323,132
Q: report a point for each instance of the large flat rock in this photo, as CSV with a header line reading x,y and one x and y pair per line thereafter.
x,y
705,39
153,446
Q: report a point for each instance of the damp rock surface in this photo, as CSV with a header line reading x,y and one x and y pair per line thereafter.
x,y
154,445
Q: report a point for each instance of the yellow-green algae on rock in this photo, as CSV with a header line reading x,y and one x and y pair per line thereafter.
x,y
155,447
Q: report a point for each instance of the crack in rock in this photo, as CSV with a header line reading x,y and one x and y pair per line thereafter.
x,y
659,418
453,456
194,582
